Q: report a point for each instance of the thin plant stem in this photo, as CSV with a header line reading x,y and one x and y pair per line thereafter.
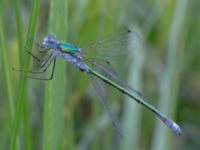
x,y
55,92
170,77
23,82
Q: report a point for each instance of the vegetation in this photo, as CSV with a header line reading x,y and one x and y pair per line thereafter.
x,y
65,113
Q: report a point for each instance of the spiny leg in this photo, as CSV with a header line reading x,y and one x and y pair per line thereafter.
x,y
40,47
40,62
42,69
52,72
43,49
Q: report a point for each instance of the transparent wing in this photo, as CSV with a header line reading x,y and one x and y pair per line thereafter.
x,y
102,97
107,70
114,45
103,65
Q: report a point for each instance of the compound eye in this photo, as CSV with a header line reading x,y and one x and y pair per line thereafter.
x,y
49,39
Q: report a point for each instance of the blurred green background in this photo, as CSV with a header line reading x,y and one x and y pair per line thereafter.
x,y
65,113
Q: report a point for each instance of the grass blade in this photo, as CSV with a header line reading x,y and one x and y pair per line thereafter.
x,y
132,111
170,77
22,85
6,72
55,89
17,6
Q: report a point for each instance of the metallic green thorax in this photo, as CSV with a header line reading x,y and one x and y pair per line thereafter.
x,y
68,47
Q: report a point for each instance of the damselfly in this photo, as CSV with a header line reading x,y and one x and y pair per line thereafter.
x,y
77,57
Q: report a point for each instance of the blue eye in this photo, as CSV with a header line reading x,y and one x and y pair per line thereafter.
x,y
50,40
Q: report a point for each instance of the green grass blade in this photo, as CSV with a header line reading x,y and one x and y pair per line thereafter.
x,y
22,86
55,92
170,77
132,111
19,26
131,118
6,71
17,6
